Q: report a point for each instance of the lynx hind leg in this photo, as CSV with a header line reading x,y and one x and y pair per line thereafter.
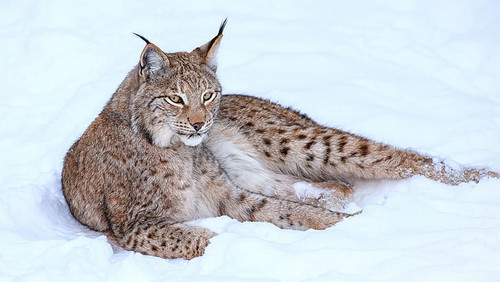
x,y
166,240
440,171
330,195
283,213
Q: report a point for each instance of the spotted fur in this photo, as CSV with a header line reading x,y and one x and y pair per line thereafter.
x,y
168,148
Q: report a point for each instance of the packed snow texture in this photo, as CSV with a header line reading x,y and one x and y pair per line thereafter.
x,y
415,74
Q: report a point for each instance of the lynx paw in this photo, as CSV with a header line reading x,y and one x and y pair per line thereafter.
x,y
330,195
477,174
444,173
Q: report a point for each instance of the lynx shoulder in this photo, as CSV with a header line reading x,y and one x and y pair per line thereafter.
x,y
169,148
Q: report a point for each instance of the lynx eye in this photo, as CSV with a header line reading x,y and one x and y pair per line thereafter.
x,y
175,99
207,96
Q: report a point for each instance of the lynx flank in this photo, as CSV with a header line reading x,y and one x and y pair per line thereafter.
x,y
169,148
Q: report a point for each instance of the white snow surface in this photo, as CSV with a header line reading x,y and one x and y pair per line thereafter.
x,y
415,74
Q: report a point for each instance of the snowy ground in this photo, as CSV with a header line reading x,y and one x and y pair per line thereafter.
x,y
416,74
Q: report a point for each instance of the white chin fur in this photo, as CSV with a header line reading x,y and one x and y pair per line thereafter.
x,y
164,136
192,141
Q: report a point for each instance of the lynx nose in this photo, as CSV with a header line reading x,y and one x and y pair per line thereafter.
x,y
198,125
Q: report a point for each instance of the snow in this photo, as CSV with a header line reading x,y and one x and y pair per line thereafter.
x,y
305,190
414,74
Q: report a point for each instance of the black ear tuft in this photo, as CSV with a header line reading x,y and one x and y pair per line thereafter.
x,y
142,37
208,51
215,41
222,26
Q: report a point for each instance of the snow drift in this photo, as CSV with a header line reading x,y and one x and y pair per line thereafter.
x,y
414,74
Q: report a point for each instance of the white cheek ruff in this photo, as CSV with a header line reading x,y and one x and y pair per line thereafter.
x,y
162,135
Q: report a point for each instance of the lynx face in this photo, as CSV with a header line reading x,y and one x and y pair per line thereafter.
x,y
180,105
179,94
189,116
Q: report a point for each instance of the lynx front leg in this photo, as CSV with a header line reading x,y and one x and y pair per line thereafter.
x,y
284,214
165,240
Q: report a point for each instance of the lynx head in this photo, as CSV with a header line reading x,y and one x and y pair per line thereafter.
x,y
178,95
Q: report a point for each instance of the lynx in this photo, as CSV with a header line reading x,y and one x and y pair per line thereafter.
x,y
169,148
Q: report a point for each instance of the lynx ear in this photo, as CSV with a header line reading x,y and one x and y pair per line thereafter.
x,y
208,51
152,59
